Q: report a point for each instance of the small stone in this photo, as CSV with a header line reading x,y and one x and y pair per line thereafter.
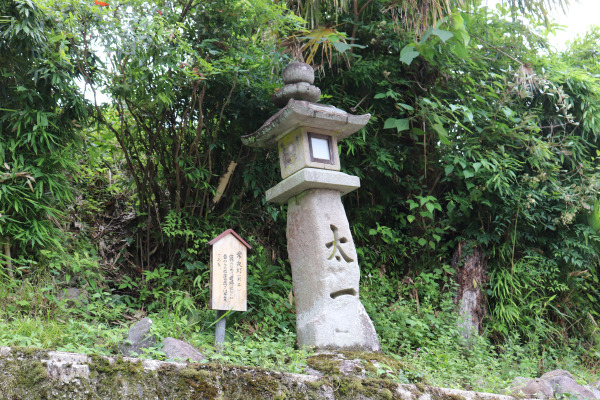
x,y
179,350
139,338
521,386
73,296
312,371
353,368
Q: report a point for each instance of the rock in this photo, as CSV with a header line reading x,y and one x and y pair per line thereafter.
x,y
594,388
553,384
66,367
312,371
515,387
327,362
537,388
563,382
519,381
555,373
353,367
73,296
179,350
522,386
565,385
139,338
28,373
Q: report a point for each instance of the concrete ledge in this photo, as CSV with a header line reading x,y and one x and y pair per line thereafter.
x,y
311,178
28,373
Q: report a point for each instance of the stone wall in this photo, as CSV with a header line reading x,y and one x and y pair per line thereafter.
x,y
32,374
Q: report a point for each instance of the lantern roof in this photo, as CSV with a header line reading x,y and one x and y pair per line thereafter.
x,y
300,113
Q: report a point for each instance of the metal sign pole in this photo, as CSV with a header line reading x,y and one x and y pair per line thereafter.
x,y
220,330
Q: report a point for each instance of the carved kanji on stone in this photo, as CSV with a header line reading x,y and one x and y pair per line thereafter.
x,y
335,245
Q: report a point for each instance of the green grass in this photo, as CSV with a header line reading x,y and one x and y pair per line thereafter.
x,y
69,335
424,341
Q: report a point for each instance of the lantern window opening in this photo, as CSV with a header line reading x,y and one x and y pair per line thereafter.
x,y
320,148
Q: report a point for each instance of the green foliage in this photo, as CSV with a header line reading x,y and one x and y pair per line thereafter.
x,y
79,264
40,109
419,329
266,351
270,301
416,312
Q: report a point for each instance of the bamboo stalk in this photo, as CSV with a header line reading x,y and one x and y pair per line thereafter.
x,y
7,256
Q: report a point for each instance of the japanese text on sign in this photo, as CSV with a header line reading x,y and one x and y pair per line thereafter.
x,y
228,275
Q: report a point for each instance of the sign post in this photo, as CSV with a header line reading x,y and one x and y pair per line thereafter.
x,y
228,272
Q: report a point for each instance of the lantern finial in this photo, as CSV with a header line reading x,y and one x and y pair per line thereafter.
x,y
298,78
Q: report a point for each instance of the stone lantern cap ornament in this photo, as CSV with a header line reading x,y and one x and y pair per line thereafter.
x,y
298,78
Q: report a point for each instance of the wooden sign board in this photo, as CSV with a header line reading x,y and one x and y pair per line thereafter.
x,y
228,272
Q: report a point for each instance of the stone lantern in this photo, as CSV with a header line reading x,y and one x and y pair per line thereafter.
x,y
325,270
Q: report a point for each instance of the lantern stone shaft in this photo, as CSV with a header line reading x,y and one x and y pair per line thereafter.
x,y
325,269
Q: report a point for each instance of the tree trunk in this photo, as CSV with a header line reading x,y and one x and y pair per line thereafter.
x,y
471,266
7,256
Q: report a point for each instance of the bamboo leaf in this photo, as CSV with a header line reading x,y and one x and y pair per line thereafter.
x,y
408,54
399,124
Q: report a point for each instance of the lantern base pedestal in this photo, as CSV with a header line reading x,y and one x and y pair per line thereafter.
x,y
326,274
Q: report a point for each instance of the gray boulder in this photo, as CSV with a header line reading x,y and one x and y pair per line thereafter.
x,y
538,388
139,338
534,388
519,381
556,373
595,388
179,350
563,383
568,386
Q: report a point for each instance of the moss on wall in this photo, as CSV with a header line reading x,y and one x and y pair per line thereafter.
x,y
24,376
